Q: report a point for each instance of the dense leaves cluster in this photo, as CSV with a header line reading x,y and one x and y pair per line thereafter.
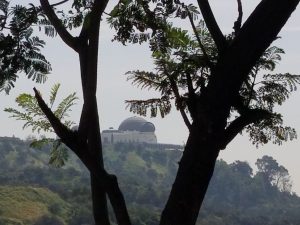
x,y
20,49
185,59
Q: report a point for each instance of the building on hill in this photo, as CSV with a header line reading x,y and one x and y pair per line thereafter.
x,y
131,130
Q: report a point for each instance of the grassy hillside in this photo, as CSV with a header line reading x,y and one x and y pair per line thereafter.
x,y
34,193
26,205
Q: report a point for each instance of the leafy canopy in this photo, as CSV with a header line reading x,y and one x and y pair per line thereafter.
x,y
20,50
184,61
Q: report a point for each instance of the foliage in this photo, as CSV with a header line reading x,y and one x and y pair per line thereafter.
x,y
20,49
34,117
27,204
184,61
273,173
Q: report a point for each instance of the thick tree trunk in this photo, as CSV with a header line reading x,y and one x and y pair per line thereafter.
x,y
194,173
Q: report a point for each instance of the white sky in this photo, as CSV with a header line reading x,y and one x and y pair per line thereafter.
x,y
113,89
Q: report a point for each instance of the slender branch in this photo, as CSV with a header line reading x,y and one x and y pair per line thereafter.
x,y
58,25
238,23
59,3
212,25
206,57
236,126
179,101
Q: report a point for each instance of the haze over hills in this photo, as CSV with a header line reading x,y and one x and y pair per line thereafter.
x,y
34,193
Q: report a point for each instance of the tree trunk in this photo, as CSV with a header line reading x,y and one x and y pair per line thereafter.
x,y
194,173
99,202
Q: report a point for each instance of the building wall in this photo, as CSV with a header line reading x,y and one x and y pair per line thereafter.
x,y
129,136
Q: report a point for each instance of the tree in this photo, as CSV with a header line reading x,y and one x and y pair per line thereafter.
x,y
242,168
214,77
86,141
215,71
273,173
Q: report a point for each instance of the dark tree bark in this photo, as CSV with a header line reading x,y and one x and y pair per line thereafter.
x,y
194,173
210,133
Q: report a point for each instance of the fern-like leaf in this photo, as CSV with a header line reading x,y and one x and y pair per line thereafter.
x,y
155,105
59,154
53,94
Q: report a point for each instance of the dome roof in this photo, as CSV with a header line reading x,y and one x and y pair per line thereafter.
x,y
136,124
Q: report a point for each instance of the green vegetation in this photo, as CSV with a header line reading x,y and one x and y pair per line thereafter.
x,y
25,205
213,77
32,192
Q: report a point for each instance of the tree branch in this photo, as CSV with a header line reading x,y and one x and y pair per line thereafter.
x,y
190,84
212,25
179,101
238,23
59,27
255,36
59,3
109,182
88,54
63,132
117,201
206,57
236,126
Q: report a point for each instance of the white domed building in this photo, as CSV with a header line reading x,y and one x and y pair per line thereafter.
x,y
131,130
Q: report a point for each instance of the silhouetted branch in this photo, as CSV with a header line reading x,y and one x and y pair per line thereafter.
x,y
58,25
212,25
63,132
59,3
238,22
236,126
206,57
179,101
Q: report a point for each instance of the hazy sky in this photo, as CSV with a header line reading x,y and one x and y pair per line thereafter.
x,y
113,90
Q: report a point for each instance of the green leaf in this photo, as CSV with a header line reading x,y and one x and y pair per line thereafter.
x,y
59,154
53,94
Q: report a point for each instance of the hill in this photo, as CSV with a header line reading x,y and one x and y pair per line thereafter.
x,y
58,196
31,205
